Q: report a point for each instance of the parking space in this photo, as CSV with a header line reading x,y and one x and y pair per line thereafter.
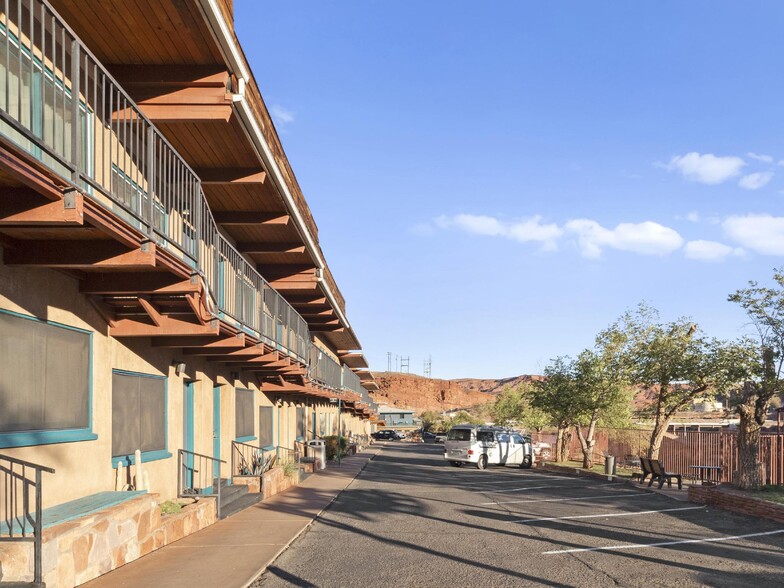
x,y
438,524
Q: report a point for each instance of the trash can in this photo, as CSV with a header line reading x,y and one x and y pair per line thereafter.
x,y
609,465
317,449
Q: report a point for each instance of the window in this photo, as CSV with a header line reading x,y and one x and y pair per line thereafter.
x,y
503,437
138,416
485,436
45,374
243,415
300,422
459,435
517,439
265,427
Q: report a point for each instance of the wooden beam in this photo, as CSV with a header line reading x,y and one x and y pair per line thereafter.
x,y
290,286
87,254
168,326
310,314
230,175
178,113
250,217
125,283
308,299
323,321
255,352
256,247
326,329
136,76
216,343
25,208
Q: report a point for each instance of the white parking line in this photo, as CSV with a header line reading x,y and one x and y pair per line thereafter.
x,y
637,494
493,484
522,488
662,544
599,516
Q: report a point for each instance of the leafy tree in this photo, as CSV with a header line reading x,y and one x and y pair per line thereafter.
x,y
670,359
429,419
556,395
763,361
508,407
600,382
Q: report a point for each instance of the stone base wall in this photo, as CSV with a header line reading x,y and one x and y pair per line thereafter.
x,y
77,551
736,501
276,481
252,482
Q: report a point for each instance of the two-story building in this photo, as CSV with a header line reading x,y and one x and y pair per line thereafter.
x,y
167,313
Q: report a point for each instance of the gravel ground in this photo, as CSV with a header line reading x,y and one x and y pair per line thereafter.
x,y
411,520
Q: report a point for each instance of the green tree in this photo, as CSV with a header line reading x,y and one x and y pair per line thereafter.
x,y
508,406
556,396
672,360
762,360
430,419
600,383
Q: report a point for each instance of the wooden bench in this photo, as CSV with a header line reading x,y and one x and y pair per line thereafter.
x,y
645,466
659,473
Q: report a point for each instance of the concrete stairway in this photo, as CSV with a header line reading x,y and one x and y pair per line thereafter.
x,y
235,497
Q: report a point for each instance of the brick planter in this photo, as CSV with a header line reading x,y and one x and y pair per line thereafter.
x,y
275,481
728,498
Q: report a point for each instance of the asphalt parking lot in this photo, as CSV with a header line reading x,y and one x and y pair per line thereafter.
x,y
410,519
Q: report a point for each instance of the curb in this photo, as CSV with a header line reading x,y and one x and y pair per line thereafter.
x,y
263,569
614,478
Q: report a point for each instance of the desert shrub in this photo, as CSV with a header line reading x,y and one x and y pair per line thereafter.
x,y
332,446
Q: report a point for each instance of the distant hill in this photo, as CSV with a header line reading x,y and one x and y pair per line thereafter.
x,y
420,394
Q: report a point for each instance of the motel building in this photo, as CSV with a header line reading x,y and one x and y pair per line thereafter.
x,y
170,330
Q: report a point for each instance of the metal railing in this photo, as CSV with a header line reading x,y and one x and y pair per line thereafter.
x,y
351,381
325,370
21,505
61,106
248,460
196,476
286,455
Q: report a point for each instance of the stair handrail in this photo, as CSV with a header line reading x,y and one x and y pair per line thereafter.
x,y
11,482
237,451
187,469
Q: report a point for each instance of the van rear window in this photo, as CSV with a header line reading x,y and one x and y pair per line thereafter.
x,y
459,435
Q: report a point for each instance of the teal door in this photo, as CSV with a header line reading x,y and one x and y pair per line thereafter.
x,y
216,438
187,430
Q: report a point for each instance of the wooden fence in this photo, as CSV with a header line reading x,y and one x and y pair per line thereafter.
x,y
685,448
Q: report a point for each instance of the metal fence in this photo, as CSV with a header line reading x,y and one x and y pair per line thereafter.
x,y
351,381
688,448
61,106
324,369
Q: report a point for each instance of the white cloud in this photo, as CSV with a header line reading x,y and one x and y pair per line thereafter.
x,y
693,216
647,238
709,250
706,168
762,233
755,181
762,158
281,115
523,230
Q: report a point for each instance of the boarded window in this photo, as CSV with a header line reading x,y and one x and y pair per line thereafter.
x,y
243,413
44,376
266,436
300,422
138,413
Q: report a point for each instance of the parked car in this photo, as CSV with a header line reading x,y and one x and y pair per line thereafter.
x,y
400,435
484,446
542,450
385,435
440,437
428,436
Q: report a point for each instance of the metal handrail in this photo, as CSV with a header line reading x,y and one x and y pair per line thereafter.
x,y
252,465
193,473
15,511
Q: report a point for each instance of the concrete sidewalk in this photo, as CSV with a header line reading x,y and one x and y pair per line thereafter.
x,y
234,551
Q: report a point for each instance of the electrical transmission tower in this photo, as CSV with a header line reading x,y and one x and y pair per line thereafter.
x,y
429,367
389,361
405,365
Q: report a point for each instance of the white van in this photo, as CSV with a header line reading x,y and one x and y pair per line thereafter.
x,y
485,446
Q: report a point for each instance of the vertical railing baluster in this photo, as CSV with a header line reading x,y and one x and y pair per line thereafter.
x,y
151,181
75,126
38,574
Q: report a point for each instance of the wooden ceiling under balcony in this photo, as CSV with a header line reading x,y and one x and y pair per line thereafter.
x,y
163,54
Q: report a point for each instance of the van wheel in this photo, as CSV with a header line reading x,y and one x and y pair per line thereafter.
x,y
527,462
482,463
456,464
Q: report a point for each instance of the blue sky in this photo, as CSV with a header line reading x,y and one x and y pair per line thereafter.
x,y
496,182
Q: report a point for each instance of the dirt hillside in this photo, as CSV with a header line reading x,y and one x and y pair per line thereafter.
x,y
421,394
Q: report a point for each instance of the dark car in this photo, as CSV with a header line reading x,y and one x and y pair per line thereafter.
x,y
428,436
385,435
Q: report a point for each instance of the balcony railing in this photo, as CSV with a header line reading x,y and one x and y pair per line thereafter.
x,y
61,106
324,369
351,381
